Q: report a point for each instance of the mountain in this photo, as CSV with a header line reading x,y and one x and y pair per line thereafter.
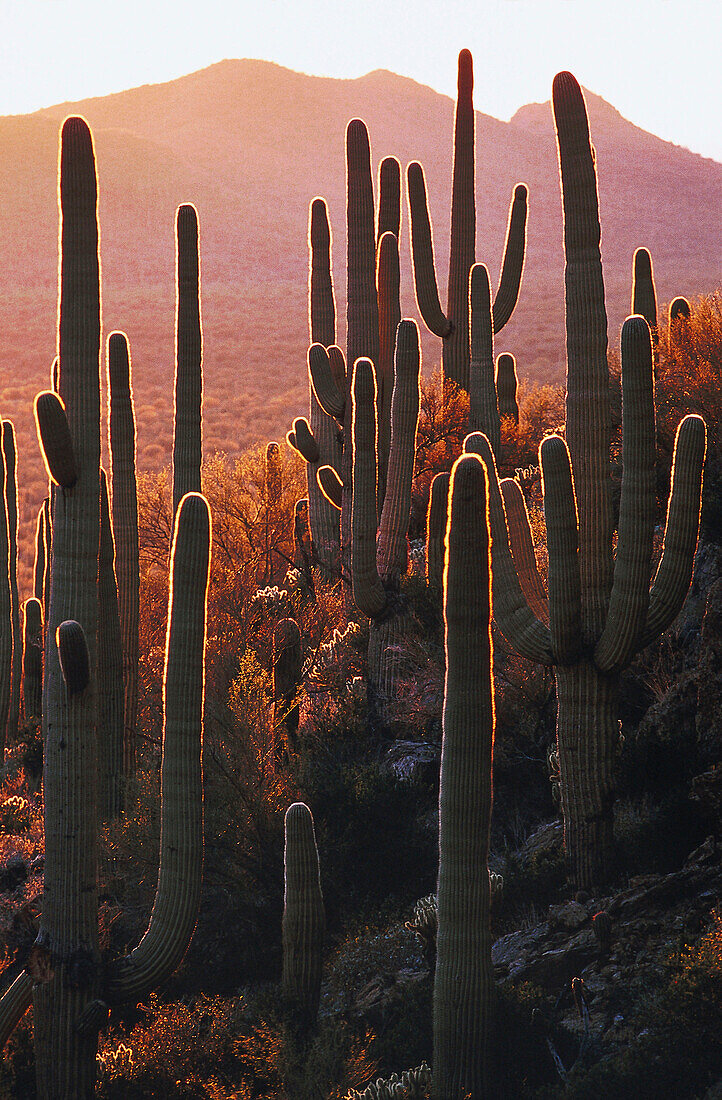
x,y
250,143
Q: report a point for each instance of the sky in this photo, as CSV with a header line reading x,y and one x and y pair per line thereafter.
x,y
656,61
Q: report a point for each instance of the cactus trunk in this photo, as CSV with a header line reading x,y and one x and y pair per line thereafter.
x,y
65,1058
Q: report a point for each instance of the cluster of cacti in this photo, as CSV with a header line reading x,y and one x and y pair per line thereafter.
x,y
81,768
379,549
600,609
453,326
463,1008
424,926
373,313
303,916
413,1084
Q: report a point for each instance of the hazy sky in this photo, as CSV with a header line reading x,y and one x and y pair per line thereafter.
x,y
657,61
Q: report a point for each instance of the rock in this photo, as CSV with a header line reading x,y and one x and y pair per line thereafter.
x,y
412,761
570,916
13,873
546,840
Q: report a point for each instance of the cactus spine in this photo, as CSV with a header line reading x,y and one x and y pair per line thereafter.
x,y
303,915
121,418
453,326
187,444
463,983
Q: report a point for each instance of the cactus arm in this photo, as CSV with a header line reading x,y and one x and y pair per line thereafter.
x,y
389,190
436,531
33,659
323,383
109,670
483,411
512,612
521,545
181,843
187,443
362,302
322,306
302,439
56,445
368,591
507,293
422,254
560,511
587,422
40,555
463,983
679,308
506,386
14,1003
330,485
674,572
644,294
121,438
394,523
303,915
388,284
629,600
462,248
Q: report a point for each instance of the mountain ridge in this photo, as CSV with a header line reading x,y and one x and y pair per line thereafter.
x,y
251,143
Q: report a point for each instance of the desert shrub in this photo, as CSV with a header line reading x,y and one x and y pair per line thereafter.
x,y
678,1048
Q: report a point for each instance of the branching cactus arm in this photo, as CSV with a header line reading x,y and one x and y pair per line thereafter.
x,y
181,844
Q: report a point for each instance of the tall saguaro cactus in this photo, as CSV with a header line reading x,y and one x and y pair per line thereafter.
x,y
323,517
453,325
601,609
122,436
65,1060
463,982
9,447
187,445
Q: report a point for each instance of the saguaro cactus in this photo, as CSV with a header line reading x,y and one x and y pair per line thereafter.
x,y
453,326
121,431
187,444
9,447
463,983
600,609
436,532
65,1060
506,386
303,915
377,563
6,612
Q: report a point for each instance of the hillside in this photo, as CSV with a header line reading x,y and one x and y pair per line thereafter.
x,y
251,143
